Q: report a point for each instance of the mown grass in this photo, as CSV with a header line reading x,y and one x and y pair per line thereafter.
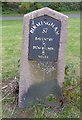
x,y
12,38
11,46
15,13
11,13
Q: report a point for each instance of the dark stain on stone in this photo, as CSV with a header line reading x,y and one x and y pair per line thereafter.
x,y
37,93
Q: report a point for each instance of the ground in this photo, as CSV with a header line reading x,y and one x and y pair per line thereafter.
x,y
11,46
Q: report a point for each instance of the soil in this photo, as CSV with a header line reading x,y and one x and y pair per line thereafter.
x,y
10,103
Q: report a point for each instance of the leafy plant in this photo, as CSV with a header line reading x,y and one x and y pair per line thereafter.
x,y
71,87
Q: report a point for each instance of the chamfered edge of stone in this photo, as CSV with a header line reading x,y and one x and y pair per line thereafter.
x,y
43,10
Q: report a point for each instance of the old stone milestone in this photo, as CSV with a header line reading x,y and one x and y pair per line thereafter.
x,y
43,56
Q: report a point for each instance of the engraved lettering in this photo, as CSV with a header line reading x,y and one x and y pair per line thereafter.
x,y
45,30
36,47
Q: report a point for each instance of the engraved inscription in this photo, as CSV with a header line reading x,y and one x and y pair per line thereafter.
x,y
44,38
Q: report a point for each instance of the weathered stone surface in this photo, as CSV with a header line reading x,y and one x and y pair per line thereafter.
x,y
39,79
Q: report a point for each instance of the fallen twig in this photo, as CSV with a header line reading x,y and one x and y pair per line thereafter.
x,y
4,87
14,109
14,106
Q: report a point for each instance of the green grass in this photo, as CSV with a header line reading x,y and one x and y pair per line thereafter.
x,y
15,13
11,13
73,41
11,46
12,38
71,12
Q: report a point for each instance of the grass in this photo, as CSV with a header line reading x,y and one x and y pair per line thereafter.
x,y
12,38
11,13
71,12
73,42
14,13
11,46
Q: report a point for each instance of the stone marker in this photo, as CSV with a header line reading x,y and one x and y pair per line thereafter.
x,y
43,56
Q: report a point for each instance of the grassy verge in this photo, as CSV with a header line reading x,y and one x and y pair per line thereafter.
x,y
12,39
13,13
71,12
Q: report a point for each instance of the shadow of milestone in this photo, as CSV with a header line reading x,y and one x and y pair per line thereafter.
x,y
39,92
